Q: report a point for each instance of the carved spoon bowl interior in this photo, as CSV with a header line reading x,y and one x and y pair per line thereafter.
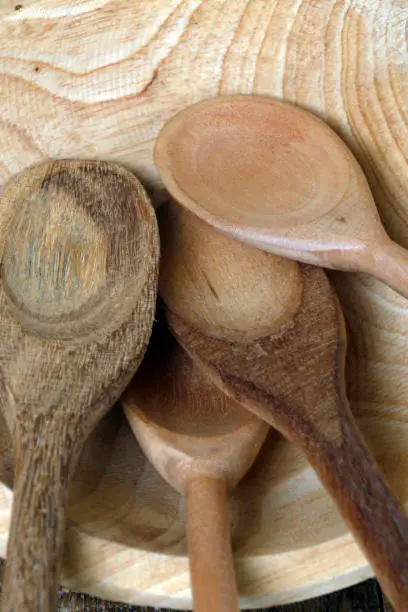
x,y
275,176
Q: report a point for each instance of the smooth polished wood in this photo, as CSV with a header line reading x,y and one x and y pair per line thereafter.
x,y
79,263
291,376
203,444
275,176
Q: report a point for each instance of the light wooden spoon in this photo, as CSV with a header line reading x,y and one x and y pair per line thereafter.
x,y
79,261
202,443
290,372
277,177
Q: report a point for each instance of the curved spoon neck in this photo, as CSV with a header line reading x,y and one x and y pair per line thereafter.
x,y
201,480
388,262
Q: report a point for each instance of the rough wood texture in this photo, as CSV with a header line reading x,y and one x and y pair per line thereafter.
x,y
293,377
79,262
346,61
275,176
202,443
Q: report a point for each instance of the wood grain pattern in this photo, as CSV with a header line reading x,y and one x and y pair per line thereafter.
x,y
273,175
364,597
345,60
79,264
146,60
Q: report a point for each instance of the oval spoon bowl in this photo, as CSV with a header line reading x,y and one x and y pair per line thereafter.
x,y
274,175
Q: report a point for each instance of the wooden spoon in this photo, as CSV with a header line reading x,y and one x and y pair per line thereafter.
x,y
290,374
202,443
79,259
277,177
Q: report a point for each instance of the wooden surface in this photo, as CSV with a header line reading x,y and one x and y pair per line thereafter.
x,y
146,60
346,61
363,597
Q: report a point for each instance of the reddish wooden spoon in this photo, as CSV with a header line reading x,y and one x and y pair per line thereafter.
x,y
202,443
289,371
275,176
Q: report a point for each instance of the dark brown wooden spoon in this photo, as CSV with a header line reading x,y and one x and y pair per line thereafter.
x,y
290,372
79,267
275,176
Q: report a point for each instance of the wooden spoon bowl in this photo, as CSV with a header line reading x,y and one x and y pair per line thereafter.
x,y
275,176
202,443
79,260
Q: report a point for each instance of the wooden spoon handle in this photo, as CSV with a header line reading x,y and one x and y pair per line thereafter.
x,y
208,536
389,264
379,525
44,464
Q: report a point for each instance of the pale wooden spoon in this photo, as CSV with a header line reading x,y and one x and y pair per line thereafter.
x,y
275,176
202,443
291,373
79,264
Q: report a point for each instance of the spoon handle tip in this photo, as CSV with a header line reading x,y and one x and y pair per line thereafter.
x,y
209,545
389,264
376,520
